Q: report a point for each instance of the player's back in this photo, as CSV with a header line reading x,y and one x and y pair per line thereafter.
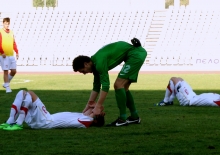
x,y
113,54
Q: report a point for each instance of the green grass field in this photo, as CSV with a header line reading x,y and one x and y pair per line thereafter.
x,y
172,130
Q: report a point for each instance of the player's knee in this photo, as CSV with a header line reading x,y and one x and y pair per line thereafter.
x,y
117,85
20,93
13,72
19,97
173,78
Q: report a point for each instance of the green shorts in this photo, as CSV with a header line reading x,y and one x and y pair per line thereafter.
x,y
133,63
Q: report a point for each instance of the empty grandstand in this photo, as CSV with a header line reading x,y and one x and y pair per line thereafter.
x,y
180,38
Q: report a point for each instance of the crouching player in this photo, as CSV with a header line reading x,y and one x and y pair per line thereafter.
x,y
28,107
180,89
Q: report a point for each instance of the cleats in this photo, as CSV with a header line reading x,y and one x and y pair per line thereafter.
x,y
162,103
131,120
4,125
13,127
8,90
3,85
7,87
118,122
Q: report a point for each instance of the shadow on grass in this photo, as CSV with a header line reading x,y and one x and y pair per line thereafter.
x,y
187,130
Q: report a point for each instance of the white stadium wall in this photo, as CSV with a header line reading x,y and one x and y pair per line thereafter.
x,y
177,39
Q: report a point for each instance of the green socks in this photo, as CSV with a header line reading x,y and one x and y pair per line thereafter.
x,y
121,99
130,105
124,99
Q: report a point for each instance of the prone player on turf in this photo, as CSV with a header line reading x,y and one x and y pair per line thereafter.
x,y
105,59
179,88
28,107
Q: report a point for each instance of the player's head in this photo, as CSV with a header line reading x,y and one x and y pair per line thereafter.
x,y
82,64
98,121
6,22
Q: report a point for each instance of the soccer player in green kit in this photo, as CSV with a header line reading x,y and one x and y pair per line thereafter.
x,y
104,60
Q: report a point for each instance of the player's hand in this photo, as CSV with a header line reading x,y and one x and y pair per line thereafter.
x,y
90,104
3,55
98,110
136,42
17,56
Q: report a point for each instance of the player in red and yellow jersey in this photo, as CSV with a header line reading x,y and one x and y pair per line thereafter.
x,y
7,48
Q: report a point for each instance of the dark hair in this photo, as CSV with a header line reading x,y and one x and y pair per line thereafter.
x,y
98,121
7,19
78,62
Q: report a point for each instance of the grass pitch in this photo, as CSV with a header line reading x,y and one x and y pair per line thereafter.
x,y
172,130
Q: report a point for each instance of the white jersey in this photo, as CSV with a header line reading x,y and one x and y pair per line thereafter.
x,y
206,99
187,97
38,117
71,120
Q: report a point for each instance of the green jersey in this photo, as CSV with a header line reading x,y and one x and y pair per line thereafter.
x,y
105,59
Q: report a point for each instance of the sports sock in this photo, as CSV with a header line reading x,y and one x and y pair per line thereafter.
x,y
6,84
120,96
21,117
15,108
130,104
172,96
169,91
10,77
27,101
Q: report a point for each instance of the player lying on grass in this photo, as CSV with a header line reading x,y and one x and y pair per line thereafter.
x,y
105,59
180,89
28,107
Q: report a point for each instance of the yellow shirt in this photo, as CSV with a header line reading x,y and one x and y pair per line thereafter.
x,y
7,42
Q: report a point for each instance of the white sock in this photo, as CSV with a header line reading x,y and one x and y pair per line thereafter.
x,y
172,96
15,108
13,115
10,77
24,109
169,91
6,84
20,118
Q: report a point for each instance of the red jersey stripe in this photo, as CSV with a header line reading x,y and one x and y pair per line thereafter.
x,y
86,123
217,102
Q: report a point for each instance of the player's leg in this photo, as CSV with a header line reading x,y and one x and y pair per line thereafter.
x,y
6,84
5,64
121,99
26,104
170,93
13,67
134,117
38,117
15,109
11,74
184,93
128,74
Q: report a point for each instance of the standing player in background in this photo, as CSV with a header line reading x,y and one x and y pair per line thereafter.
x,y
106,59
180,89
7,48
28,107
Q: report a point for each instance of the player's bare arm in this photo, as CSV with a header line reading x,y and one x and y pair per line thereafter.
x,y
91,103
99,105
